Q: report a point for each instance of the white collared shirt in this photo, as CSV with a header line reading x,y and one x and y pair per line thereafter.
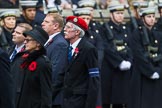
x,y
75,44
18,49
50,37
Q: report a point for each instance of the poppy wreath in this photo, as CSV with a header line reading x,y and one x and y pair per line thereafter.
x,y
32,67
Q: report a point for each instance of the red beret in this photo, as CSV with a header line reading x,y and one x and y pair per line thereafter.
x,y
77,21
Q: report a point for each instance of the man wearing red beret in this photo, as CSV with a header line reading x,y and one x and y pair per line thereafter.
x,y
80,79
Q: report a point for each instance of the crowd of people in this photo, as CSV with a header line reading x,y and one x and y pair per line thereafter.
x,y
48,61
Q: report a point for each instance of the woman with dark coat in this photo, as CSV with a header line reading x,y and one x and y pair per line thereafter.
x,y
36,88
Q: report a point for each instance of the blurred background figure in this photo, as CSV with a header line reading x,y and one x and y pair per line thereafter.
x,y
159,22
54,10
9,3
104,4
135,18
118,59
28,12
67,4
8,20
40,13
91,5
146,73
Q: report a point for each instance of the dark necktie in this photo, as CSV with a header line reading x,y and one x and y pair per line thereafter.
x,y
49,42
13,55
70,53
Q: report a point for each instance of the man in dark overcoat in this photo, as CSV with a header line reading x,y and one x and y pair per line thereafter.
x,y
116,66
146,82
81,78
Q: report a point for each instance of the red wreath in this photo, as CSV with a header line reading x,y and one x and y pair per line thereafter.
x,y
33,65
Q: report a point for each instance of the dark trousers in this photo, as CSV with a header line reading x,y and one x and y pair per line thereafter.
x,y
56,106
114,106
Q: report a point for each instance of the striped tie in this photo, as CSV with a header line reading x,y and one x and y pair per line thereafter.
x,y
13,55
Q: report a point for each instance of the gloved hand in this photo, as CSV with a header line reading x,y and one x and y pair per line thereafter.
x,y
155,76
125,65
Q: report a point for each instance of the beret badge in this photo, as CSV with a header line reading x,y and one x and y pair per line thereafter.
x,y
75,20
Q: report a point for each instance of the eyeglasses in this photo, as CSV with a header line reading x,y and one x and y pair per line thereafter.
x,y
27,40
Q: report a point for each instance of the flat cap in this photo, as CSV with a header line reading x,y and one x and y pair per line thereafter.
x,y
54,9
142,4
115,6
82,11
148,10
86,3
28,3
7,13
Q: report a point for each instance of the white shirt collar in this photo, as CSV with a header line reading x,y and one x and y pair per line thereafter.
x,y
51,36
75,44
18,49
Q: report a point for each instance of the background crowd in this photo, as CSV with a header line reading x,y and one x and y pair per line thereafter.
x,y
51,61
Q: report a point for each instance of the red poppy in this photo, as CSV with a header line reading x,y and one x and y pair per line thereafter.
x,y
32,66
25,55
76,50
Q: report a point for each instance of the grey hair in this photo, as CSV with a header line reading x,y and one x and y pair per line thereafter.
x,y
82,32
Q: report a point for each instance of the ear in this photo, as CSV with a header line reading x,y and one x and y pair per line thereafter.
x,y
2,22
77,32
56,25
